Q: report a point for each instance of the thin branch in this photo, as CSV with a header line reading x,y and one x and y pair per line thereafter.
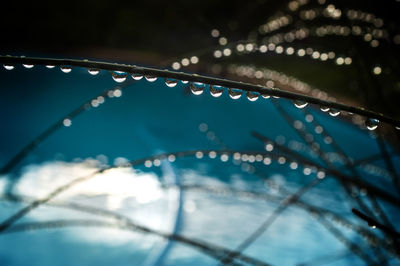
x,y
375,224
333,172
268,222
209,249
12,60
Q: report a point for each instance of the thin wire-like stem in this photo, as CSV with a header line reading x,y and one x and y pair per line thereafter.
x,y
311,209
388,161
302,133
125,223
350,245
268,222
284,203
333,172
9,221
12,60
374,223
349,165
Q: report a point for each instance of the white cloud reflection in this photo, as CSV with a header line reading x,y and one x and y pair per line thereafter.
x,y
224,220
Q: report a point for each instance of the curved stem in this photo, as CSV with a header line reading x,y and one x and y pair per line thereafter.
x,y
10,60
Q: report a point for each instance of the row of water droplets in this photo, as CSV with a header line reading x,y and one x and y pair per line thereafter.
x,y
237,158
197,88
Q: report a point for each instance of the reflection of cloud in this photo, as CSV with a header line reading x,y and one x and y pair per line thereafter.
x,y
116,184
120,189
224,219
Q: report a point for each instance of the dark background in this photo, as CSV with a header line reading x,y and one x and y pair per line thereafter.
x,y
155,33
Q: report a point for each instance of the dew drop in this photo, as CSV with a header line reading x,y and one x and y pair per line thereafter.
x,y
171,82
199,154
371,123
67,122
235,93
28,66
252,96
110,93
151,78
95,103
216,90
93,71
334,112
119,76
324,109
373,226
136,76
100,99
148,163
171,158
196,90
265,96
66,69
212,154
8,67
267,161
156,162
117,93
50,66
184,81
321,174
299,104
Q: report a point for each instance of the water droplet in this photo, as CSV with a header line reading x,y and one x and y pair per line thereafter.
x,y
224,157
137,76
371,123
171,82
267,161
156,162
119,76
95,103
8,67
269,147
265,96
148,163
171,158
28,66
184,81
100,99
235,93
299,104
67,122
195,89
373,226
334,112
321,174
93,71
110,93
398,128
212,154
50,66
117,93
216,90
324,109
66,69
199,154
252,96
151,78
